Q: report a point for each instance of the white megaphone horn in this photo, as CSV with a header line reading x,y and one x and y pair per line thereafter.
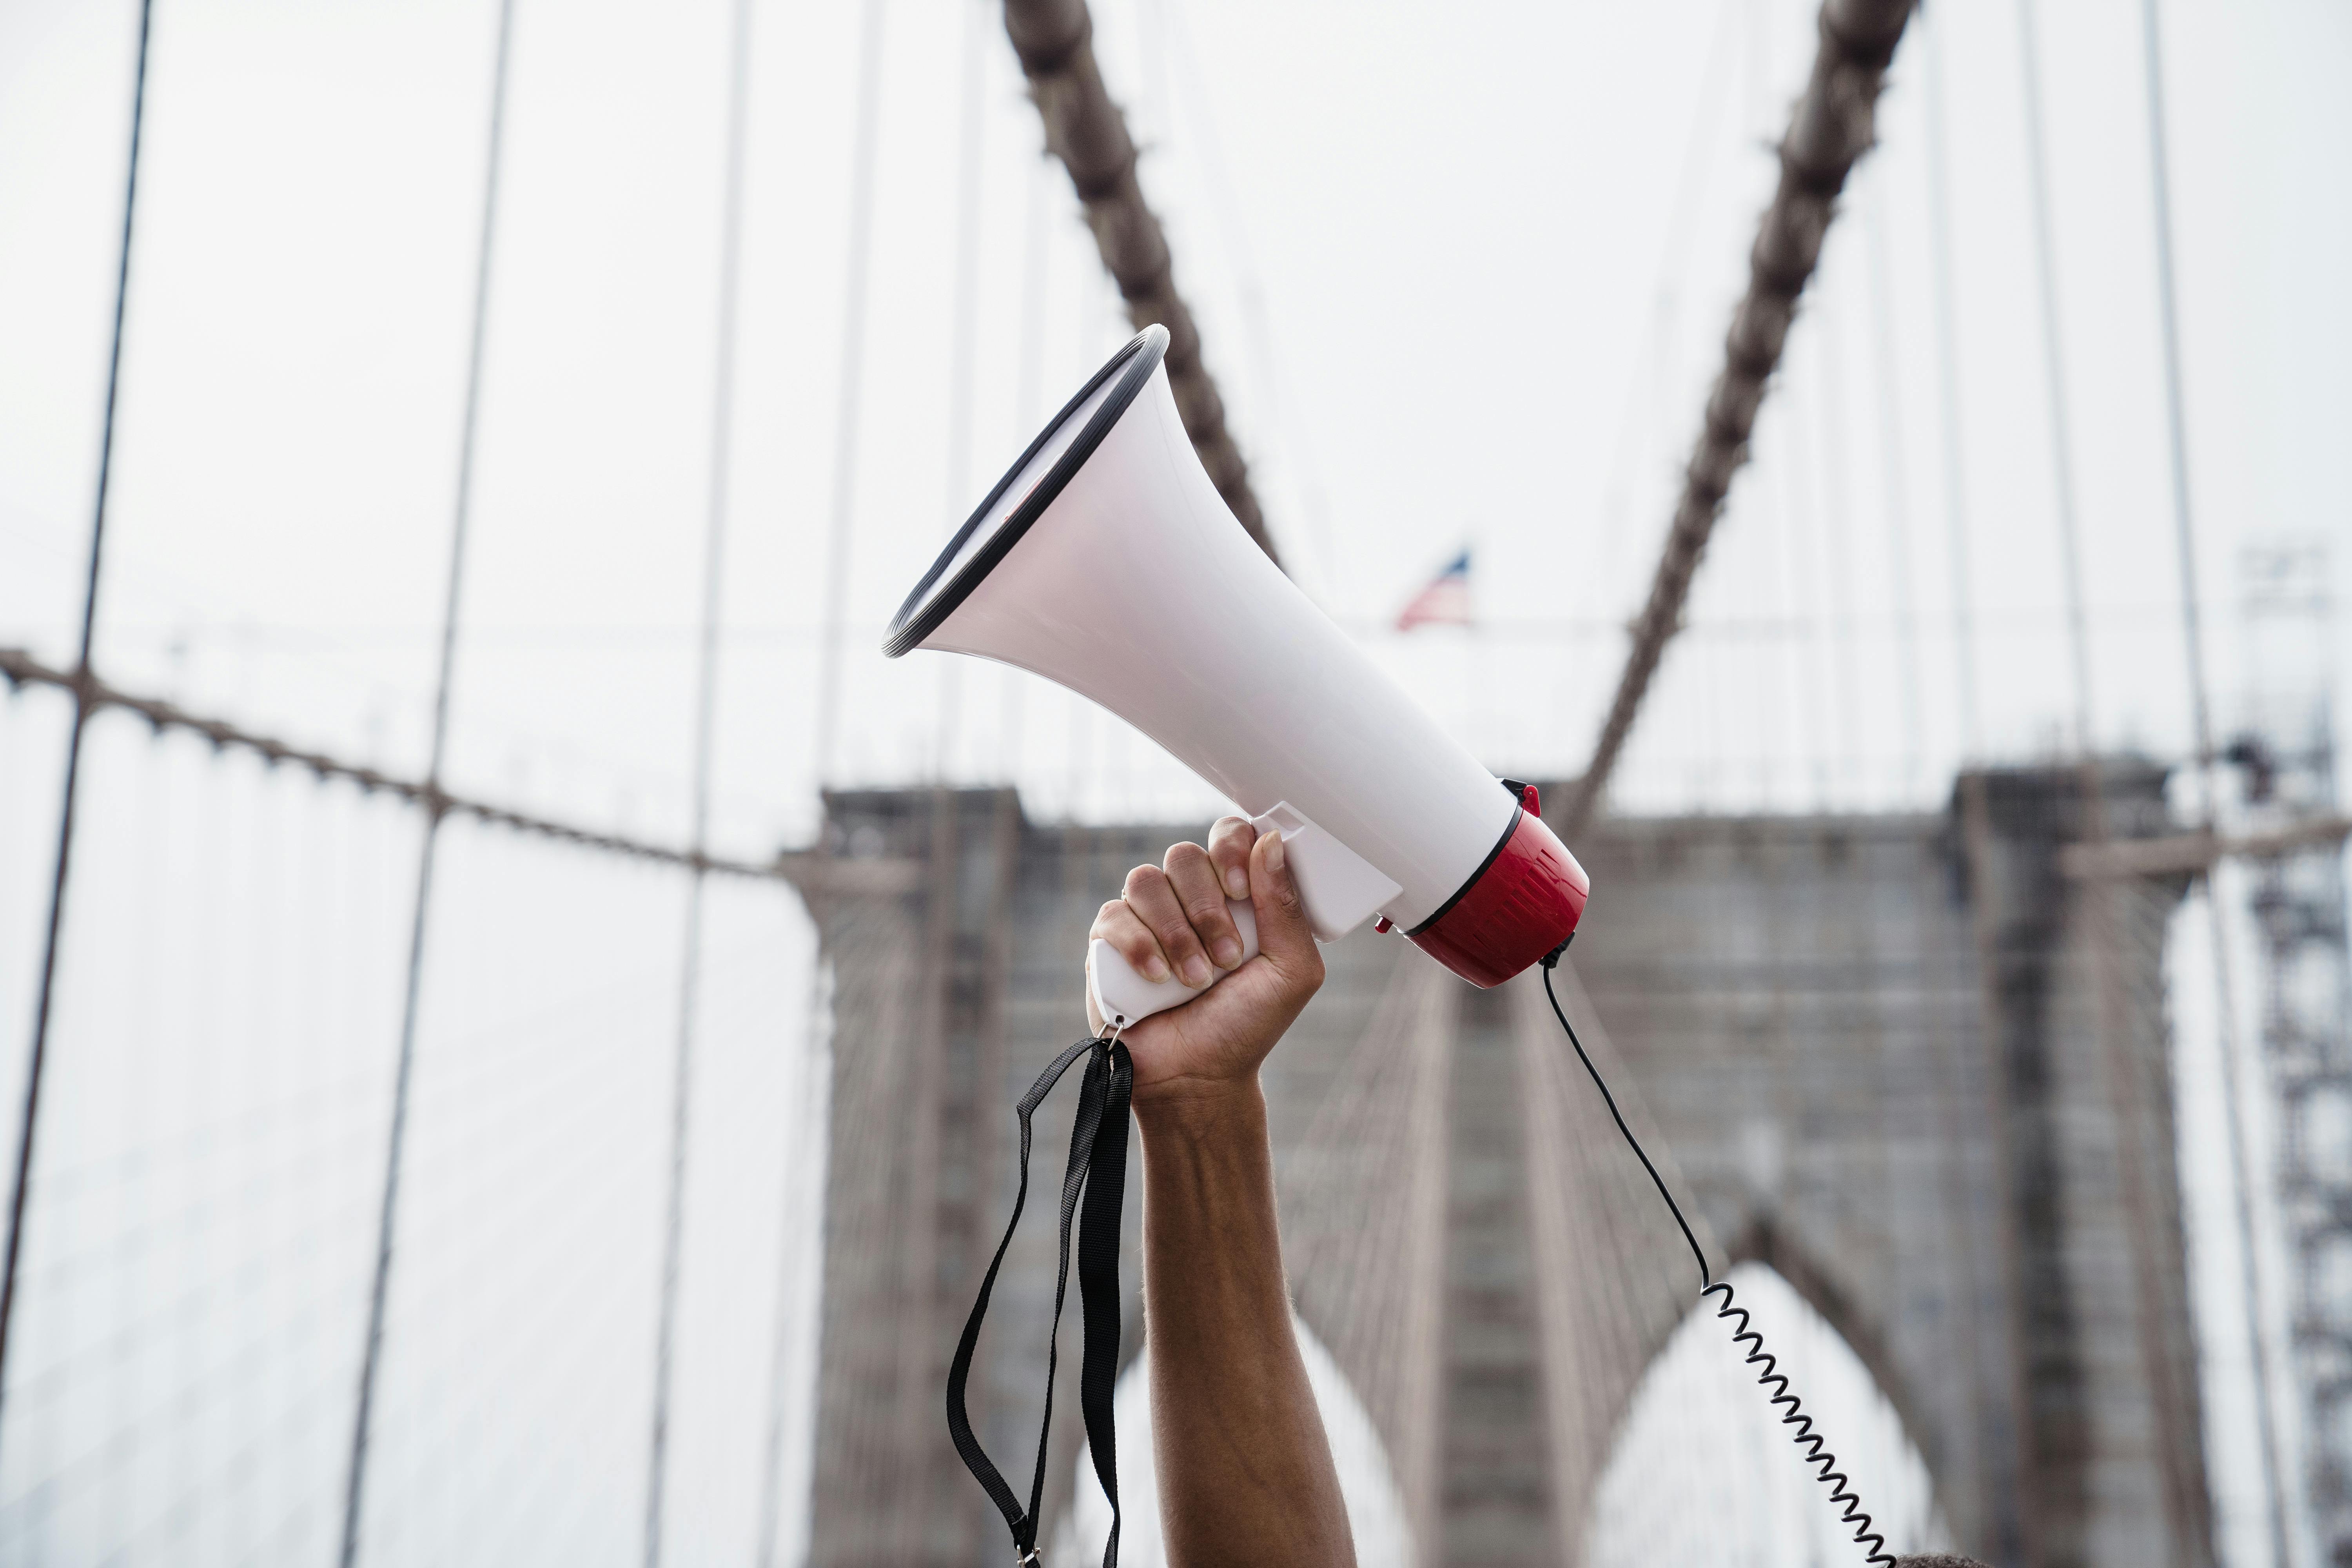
x,y
1106,561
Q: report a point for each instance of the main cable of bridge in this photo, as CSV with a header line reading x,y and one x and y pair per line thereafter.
x,y
1055,42
1830,128
18,667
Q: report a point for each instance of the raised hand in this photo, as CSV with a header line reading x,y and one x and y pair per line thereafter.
x,y
1172,919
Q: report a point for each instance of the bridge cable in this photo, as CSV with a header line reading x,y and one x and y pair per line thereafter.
x,y
1028,399
435,806
1053,40
849,402
1841,1486
2185,1506
2192,638
1830,128
1893,473
39,1051
20,668
964,352
1939,210
714,550
798,1220
1831,451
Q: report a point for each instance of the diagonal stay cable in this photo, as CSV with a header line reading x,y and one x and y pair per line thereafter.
x,y
1830,128
78,683
434,810
722,416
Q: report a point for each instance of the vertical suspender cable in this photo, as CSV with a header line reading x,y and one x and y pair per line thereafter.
x,y
853,349
39,1052
714,552
2192,638
1973,811
2053,371
1030,394
1276,429
1795,440
2182,1493
853,376
1896,475
976,28
1831,450
792,1234
1939,208
435,806
1900,536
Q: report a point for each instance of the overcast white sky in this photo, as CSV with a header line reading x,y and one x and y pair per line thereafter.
x,y
1462,272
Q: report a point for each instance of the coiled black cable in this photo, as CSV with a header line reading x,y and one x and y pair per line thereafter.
x,y
1841,1490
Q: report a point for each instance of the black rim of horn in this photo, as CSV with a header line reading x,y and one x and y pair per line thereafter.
x,y
918,619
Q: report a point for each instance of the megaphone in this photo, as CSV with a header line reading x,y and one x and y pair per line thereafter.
x,y
1105,562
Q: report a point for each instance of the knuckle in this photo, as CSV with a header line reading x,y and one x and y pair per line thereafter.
x,y
1144,879
1187,854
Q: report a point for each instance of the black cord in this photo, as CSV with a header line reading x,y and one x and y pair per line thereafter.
x,y
1840,1488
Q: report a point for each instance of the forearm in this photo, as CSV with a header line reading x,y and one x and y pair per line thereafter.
x,y
1244,1471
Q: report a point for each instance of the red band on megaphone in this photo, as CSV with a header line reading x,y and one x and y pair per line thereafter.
x,y
1522,906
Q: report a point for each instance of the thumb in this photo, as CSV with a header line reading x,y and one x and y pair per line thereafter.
x,y
1283,932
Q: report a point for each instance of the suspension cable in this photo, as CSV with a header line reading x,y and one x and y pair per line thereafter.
x,y
403,1072
39,1052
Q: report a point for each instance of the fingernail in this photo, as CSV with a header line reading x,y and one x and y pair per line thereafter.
x,y
1196,973
1155,971
1228,952
1237,883
1274,854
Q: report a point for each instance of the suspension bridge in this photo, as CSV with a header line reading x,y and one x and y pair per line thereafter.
x,y
436,1141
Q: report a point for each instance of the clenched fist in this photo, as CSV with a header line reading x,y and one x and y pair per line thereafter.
x,y
1172,919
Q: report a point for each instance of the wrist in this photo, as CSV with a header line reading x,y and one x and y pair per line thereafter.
x,y
1197,1106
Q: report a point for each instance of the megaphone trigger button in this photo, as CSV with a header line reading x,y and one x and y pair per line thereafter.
x,y
1384,925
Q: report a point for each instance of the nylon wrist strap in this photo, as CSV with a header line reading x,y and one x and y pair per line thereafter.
x,y
1096,1173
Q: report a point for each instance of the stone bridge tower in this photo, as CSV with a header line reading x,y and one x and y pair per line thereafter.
x,y
1902,1060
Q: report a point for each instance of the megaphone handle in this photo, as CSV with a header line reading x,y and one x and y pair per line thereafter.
x,y
1123,997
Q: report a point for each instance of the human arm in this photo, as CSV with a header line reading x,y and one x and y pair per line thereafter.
x,y
1244,1470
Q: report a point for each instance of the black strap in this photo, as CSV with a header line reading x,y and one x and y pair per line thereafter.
x,y
1098,1168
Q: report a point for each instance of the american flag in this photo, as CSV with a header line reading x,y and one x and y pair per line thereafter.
x,y
1444,602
